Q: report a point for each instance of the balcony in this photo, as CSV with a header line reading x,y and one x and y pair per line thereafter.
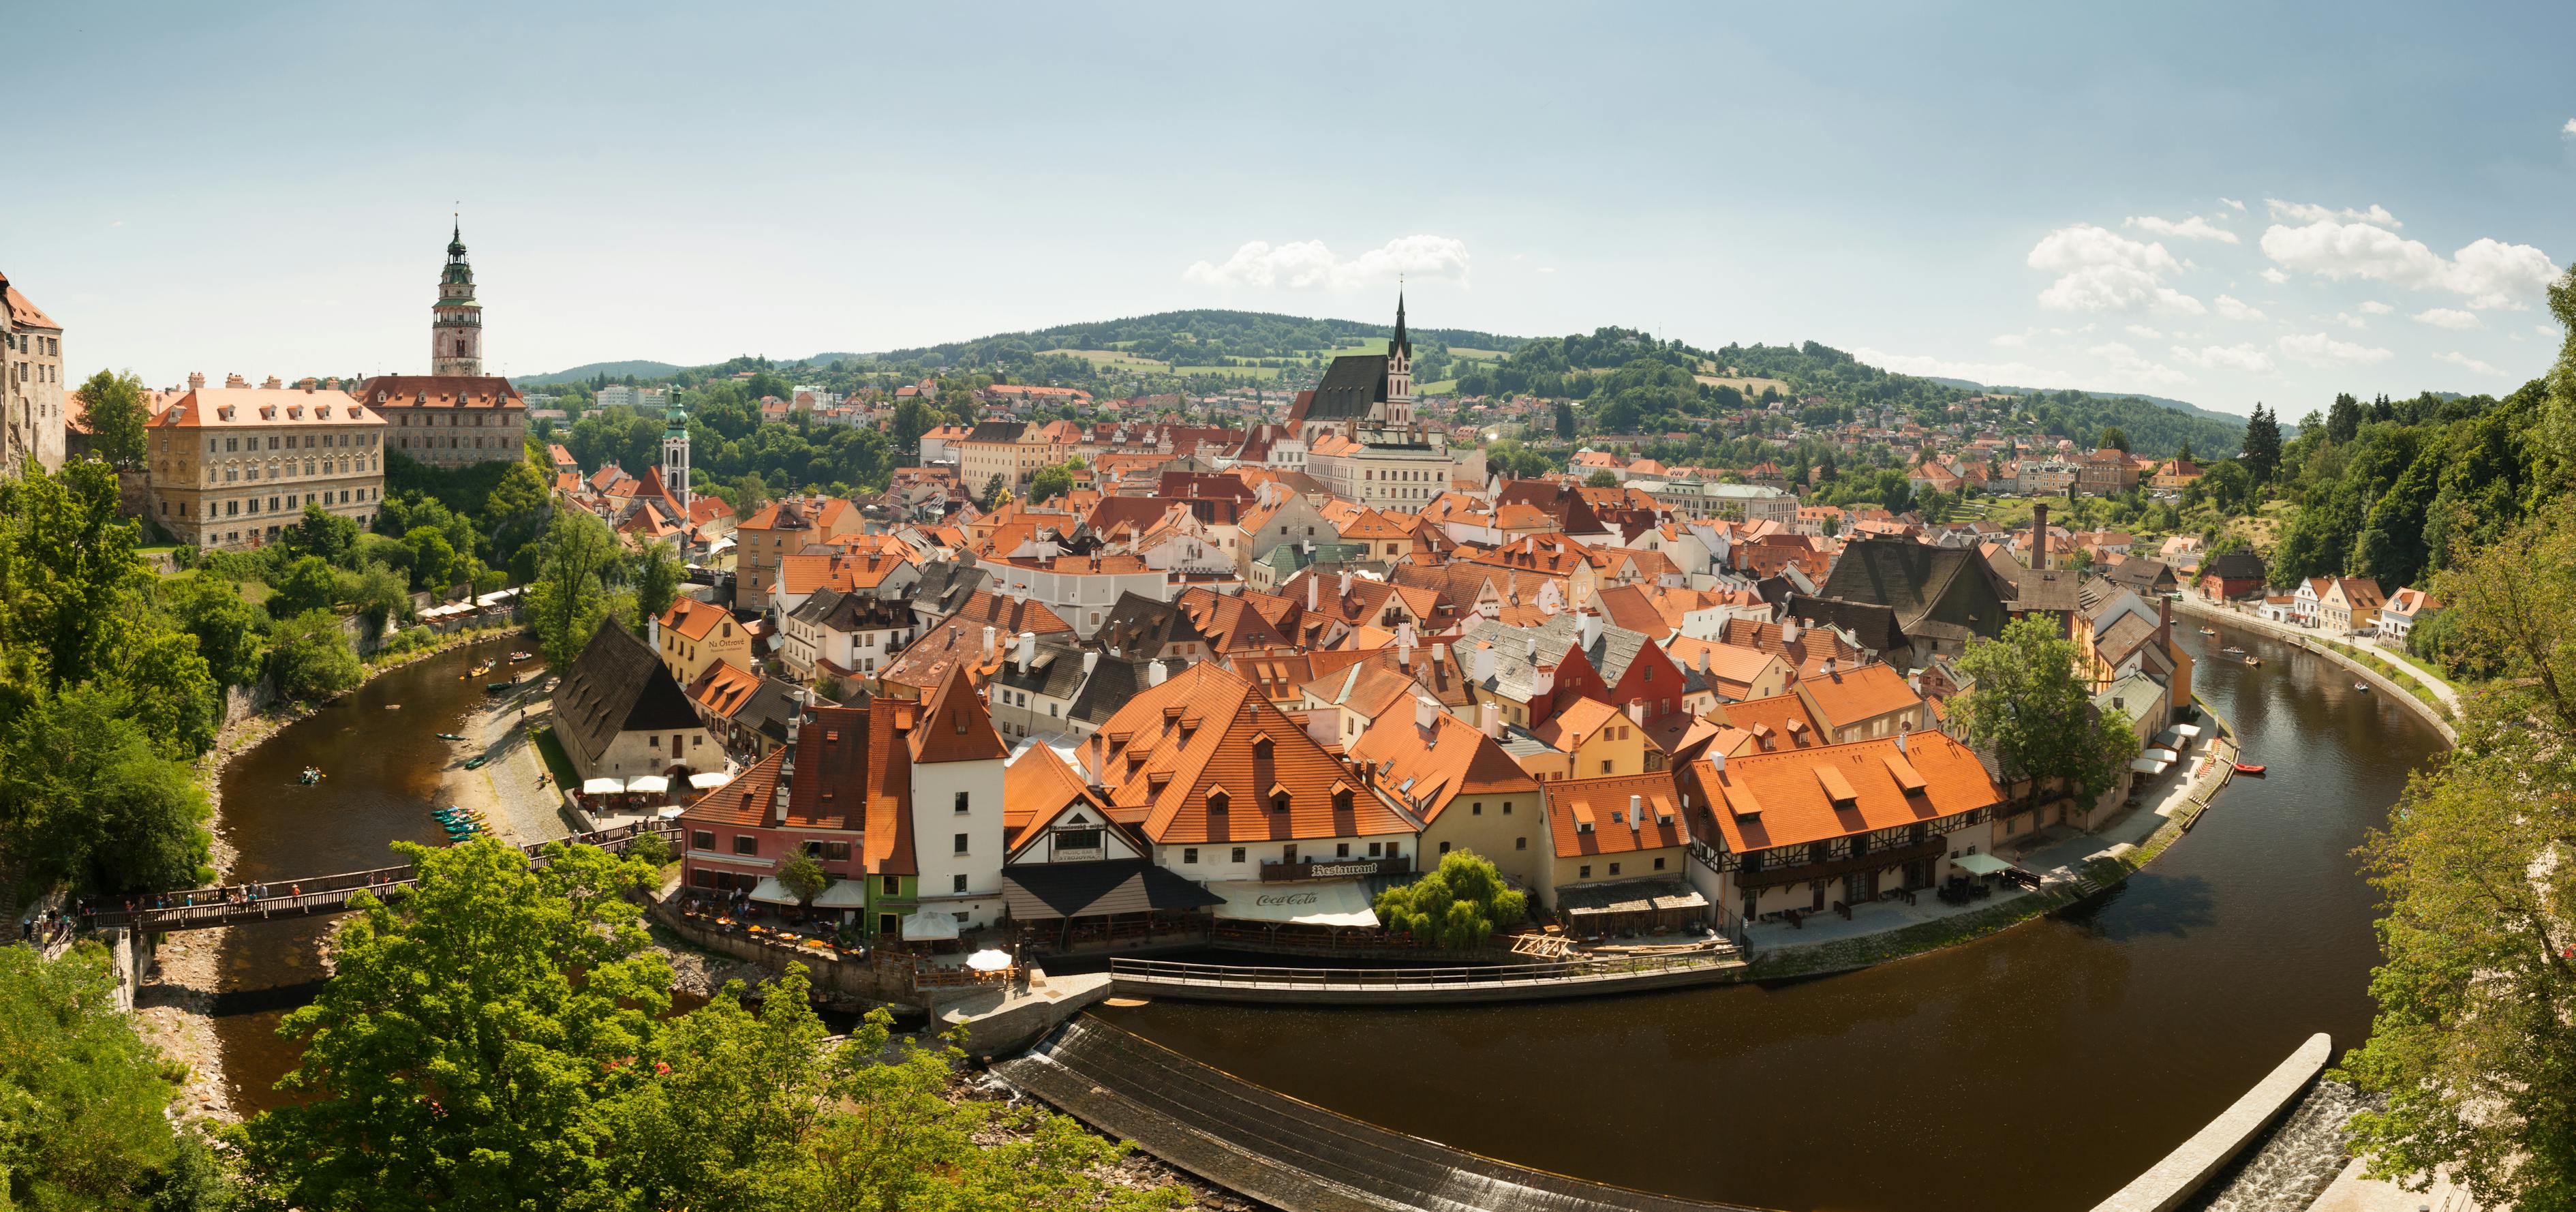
x,y
1876,860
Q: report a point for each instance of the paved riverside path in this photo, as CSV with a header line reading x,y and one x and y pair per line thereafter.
x,y
2230,616
1290,1154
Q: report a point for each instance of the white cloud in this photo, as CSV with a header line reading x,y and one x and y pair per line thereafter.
x,y
2310,212
2191,228
2101,270
2233,204
2318,349
2010,340
2349,320
2545,330
2447,317
2142,331
2467,363
1307,263
2232,308
2126,365
2244,357
2274,276
2569,129
2490,272
2376,308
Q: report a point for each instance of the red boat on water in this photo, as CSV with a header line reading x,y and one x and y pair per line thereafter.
x,y
2248,768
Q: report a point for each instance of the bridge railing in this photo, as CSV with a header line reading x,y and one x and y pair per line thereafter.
x,y
1183,971
224,904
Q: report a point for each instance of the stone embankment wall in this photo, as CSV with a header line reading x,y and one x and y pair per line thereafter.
x,y
2195,608
2168,1183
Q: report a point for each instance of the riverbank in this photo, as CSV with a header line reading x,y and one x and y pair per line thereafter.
x,y
2437,703
174,1003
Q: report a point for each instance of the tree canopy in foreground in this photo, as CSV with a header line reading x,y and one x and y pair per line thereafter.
x,y
496,1038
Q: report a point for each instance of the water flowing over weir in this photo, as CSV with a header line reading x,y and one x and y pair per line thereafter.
x,y
2039,1069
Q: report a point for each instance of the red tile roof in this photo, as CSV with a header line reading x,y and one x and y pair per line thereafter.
x,y
1761,800
1615,815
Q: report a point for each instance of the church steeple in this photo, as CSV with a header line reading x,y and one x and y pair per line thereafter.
x,y
1401,341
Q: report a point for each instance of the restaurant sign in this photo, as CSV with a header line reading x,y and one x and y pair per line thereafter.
x,y
1327,869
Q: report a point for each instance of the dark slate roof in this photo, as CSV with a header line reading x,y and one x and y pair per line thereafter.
x,y
2031,589
617,685
1352,385
769,708
1055,671
997,431
2238,565
847,612
947,585
1873,626
1915,580
1137,623
1072,889
2138,572
1113,681
1611,655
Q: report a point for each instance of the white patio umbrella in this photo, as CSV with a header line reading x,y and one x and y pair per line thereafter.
x,y
650,784
603,786
989,960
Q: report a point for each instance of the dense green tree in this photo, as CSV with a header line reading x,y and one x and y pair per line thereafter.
x,y
803,878
310,657
1050,483
2474,1043
322,534
2036,710
382,595
93,801
1601,479
306,584
912,418
436,564
2112,437
996,491
515,509
2343,419
87,1123
1564,421
68,572
569,596
113,406
462,1052
655,574
227,626
2262,445
1458,905
2229,486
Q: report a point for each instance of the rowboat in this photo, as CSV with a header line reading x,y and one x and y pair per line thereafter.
x,y
2252,661
476,762
2233,650
451,736
2361,686
484,668
2209,631
517,657
2248,768
311,775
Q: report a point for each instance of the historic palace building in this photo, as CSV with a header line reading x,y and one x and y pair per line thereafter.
x,y
455,415
233,465
31,384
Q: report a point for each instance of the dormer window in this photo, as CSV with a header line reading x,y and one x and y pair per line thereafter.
x,y
1219,802
1341,799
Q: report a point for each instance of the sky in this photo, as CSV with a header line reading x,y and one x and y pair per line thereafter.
x,y
2221,203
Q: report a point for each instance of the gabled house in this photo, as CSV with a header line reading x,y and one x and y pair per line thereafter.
x,y
620,714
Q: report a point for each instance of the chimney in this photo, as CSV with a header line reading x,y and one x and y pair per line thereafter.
x,y
2038,536
653,633
196,379
1703,662
1789,629
234,380
1346,583
307,385
1090,660
272,383
1154,674
1314,591
1489,720
1426,711
2164,622
1028,649
1901,727
1590,623
1637,712
1717,760
988,641
1636,812
1829,670
1484,662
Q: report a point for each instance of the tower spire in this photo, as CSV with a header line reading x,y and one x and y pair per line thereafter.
x,y
1400,341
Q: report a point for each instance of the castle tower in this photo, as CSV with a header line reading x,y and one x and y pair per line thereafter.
x,y
456,326
675,457
1399,371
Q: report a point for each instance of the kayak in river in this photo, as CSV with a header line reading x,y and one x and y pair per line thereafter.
x,y
450,736
2248,768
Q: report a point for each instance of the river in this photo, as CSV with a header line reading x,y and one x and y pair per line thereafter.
x,y
2038,1069
382,772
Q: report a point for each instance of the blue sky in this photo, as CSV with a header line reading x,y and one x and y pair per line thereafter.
x,y
2221,203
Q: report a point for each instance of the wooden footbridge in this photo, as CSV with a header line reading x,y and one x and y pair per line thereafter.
x,y
234,904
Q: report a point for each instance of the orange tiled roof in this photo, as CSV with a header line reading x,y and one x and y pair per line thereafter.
x,y
1761,800
1173,748
954,725
1780,721
1851,695
722,688
1431,766
1619,815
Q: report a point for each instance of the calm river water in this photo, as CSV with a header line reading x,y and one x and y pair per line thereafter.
x,y
382,770
2039,1069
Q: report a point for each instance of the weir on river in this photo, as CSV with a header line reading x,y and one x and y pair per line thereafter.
x,y
2042,1068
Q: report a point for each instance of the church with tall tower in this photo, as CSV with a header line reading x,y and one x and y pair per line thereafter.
x,y
456,324
1362,440
1360,391
454,416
